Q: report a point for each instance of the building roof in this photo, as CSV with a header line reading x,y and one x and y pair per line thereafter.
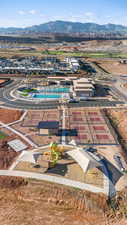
x,y
48,125
84,89
82,84
77,85
17,145
84,159
83,80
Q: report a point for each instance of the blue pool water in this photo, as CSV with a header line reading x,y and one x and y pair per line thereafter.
x,y
51,93
53,96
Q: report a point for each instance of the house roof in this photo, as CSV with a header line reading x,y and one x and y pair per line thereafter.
x,y
48,125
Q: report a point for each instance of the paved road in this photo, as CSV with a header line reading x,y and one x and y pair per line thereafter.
x,y
118,89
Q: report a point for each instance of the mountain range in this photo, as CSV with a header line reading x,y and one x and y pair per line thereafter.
x,y
67,27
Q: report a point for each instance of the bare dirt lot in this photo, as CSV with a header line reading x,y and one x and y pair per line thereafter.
x,y
112,66
119,118
49,204
8,115
31,202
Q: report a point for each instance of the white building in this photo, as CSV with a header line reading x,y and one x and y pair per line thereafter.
x,y
83,87
73,64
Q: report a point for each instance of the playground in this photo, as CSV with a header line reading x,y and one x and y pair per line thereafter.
x,y
54,160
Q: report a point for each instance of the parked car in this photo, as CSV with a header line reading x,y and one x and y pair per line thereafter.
x,y
83,99
73,100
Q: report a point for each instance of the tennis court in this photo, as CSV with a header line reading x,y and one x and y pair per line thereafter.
x,y
91,127
83,139
96,120
34,117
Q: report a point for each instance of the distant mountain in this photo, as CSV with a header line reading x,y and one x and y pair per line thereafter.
x,y
74,27
67,27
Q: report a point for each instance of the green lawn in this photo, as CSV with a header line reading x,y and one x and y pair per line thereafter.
x,y
2,135
24,94
40,53
29,90
87,54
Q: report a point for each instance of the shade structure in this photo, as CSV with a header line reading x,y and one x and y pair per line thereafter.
x,y
30,157
48,125
17,145
73,142
84,159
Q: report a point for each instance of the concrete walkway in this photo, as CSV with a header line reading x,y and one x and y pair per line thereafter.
x,y
54,179
63,124
19,134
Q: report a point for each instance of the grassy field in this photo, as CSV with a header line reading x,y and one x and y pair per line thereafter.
x,y
2,135
38,53
87,54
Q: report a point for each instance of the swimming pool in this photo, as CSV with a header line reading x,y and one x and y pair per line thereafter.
x,y
51,93
45,93
55,90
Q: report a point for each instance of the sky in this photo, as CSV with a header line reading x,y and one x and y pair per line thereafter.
x,y
23,13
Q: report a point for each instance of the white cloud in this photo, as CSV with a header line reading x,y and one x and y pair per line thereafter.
x,y
21,12
90,17
30,12
89,14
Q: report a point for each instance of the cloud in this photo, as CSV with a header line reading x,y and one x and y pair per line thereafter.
x,y
21,12
89,14
90,17
30,12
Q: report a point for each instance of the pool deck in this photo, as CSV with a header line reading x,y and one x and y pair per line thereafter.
x,y
49,94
